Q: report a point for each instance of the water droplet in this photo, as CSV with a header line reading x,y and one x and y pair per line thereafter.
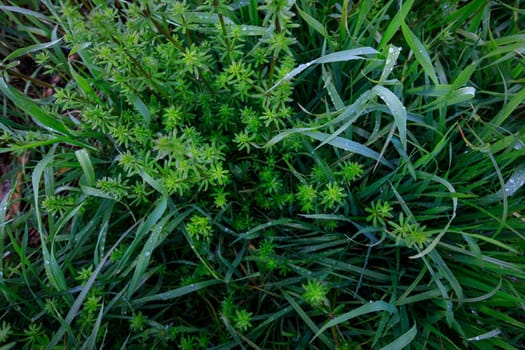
x,y
476,338
147,253
371,301
47,262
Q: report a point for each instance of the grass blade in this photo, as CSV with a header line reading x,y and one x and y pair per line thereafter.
x,y
25,50
397,109
403,340
350,146
376,306
420,52
176,293
40,117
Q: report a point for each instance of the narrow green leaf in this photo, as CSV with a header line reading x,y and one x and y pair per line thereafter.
x,y
403,341
340,56
87,167
84,84
23,11
507,109
395,23
397,109
313,23
311,324
493,333
79,301
390,62
420,52
25,50
145,255
143,109
40,117
350,146
176,293
376,306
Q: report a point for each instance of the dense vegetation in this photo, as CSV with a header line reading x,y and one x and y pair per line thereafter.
x,y
271,174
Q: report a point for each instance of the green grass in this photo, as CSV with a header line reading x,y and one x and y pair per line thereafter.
x,y
262,174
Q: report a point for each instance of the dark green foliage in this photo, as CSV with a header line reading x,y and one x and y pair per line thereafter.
x,y
268,174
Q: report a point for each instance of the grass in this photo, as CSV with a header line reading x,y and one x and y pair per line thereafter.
x,y
262,174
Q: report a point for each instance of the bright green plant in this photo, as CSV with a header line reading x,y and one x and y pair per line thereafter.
x,y
277,173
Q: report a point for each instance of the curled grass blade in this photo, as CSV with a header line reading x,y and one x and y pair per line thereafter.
x,y
397,109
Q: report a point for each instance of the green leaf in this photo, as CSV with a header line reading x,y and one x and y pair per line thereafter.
x,y
390,62
84,84
176,293
87,167
420,52
23,11
75,308
25,50
395,23
40,117
350,146
377,306
145,255
309,322
397,109
403,341
340,56
142,108
313,23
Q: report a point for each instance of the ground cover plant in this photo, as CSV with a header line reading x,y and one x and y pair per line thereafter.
x,y
268,174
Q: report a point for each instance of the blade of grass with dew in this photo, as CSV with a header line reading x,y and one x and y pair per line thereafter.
x,y
340,56
397,109
350,146
395,23
390,62
144,256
